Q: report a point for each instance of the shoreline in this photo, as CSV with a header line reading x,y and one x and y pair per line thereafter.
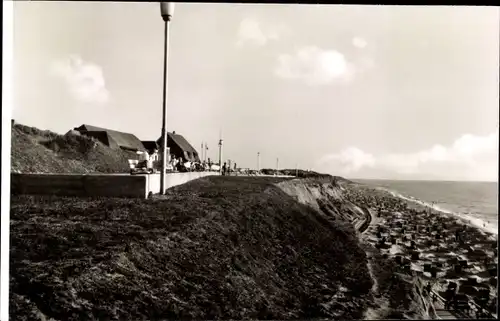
x,y
460,216
442,249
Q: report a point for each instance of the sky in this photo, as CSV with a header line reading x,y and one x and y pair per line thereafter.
x,y
383,92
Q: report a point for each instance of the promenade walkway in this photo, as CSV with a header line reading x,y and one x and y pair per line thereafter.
x,y
362,227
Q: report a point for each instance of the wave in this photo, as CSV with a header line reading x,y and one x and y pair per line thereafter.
x,y
466,218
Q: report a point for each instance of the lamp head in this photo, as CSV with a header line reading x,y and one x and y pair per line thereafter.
x,y
167,10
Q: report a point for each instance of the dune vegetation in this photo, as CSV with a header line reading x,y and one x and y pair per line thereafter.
x,y
42,151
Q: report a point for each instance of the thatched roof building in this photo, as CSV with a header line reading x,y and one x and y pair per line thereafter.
x,y
112,138
180,147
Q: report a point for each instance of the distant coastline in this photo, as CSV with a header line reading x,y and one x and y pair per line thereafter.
x,y
474,203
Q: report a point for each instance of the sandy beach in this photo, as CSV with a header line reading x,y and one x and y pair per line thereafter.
x,y
455,257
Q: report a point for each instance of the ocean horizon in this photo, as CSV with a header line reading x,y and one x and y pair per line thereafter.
x,y
475,201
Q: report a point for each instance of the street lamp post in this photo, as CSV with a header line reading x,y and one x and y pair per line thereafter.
x,y
258,162
167,11
220,156
277,165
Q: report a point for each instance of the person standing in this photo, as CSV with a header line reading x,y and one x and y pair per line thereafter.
x,y
143,158
150,161
224,169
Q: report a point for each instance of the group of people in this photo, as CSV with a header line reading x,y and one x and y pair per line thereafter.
x,y
226,169
180,165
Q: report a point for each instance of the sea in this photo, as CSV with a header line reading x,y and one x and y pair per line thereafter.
x,y
476,202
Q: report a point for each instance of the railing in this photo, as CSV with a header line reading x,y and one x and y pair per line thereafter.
x,y
443,300
419,292
461,314
434,313
479,308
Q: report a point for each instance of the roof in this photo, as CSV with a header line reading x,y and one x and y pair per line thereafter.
x,y
150,145
73,132
183,144
180,141
103,137
123,140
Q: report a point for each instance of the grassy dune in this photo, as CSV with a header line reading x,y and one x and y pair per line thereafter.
x,y
218,247
43,151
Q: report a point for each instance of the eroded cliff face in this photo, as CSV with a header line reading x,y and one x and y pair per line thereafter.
x,y
327,197
341,202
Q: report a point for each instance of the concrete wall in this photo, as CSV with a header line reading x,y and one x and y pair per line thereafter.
x,y
79,185
173,179
112,185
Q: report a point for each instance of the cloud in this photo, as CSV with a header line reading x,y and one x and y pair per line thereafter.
x,y
359,42
251,32
314,66
351,159
84,80
470,157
